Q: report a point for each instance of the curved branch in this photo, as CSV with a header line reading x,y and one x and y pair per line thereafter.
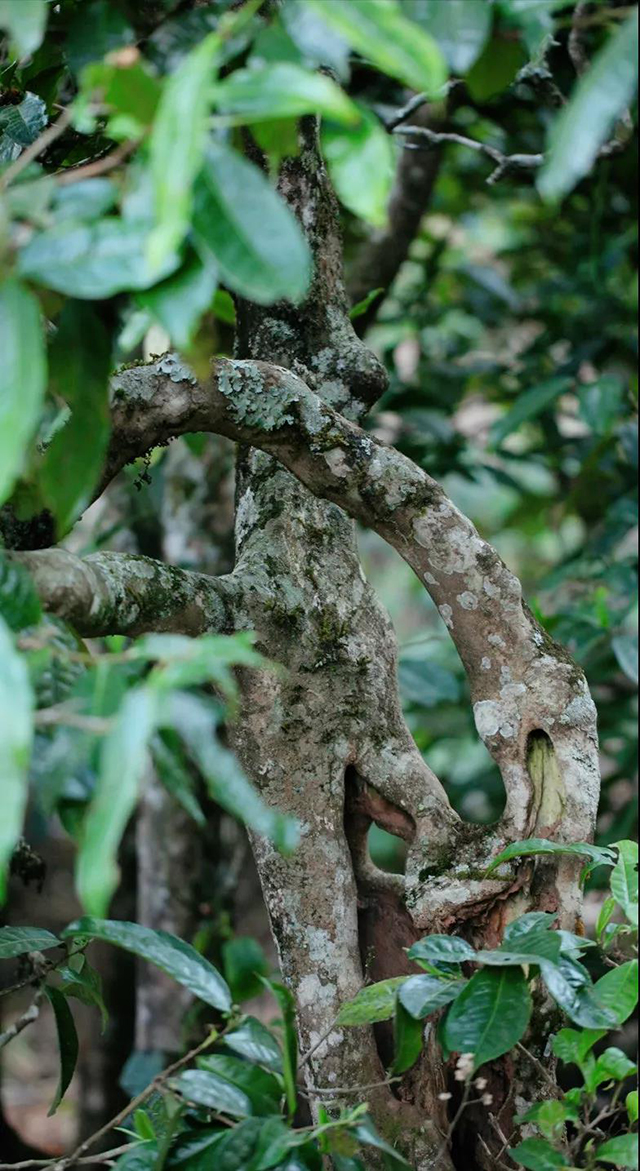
x,y
120,593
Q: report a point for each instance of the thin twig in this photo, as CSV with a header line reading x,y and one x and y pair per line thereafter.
x,y
30,1015
63,713
504,164
401,115
100,166
544,1073
89,1160
320,1091
41,143
310,1052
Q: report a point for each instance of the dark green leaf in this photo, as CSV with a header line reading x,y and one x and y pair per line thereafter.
x,y
193,1150
378,30
366,1133
532,921
175,957
177,146
282,90
263,1090
85,984
460,27
93,260
252,1040
597,855
422,995
252,235
449,948
19,602
25,23
17,941
621,1151
123,757
625,648
376,1002
427,684
360,159
178,302
22,377
97,28
490,1015
67,1043
174,773
244,962
23,123
407,1034
207,1089
16,733
529,406
538,1155
495,69
139,1158
601,96
287,1007
568,982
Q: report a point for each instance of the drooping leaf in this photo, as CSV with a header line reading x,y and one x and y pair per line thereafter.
x,y
93,260
569,984
529,406
375,1002
366,1133
25,23
16,734
283,90
378,30
178,959
422,995
123,758
174,773
460,28
85,984
631,1102
597,855
495,68
287,1008
17,941
22,377
624,879
80,365
621,1151
537,1154
407,1036
178,302
251,234
67,1043
252,1040
360,159
617,990
490,1015
214,1092
601,96
449,948
177,146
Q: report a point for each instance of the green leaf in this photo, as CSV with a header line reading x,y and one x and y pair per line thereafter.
x,y
408,1034
192,1150
93,260
88,199
254,237
214,1092
538,1155
67,1043
606,911
495,68
244,962
25,23
174,773
252,1040
129,90
490,1015
123,758
177,146
612,1065
361,165
422,995
624,879
525,924
573,1046
97,28
460,27
16,733
85,984
17,941
178,959
427,684
139,1158
263,1090
80,365
617,990
282,90
373,1003
178,302
530,404
397,46
366,1133
449,948
569,984
625,648
601,403
597,855
286,1004
550,1117
360,308
22,377
601,96
19,602
631,1102
23,123
621,1151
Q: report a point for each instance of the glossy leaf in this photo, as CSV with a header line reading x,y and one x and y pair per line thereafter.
x,y
460,28
597,855
375,1002
93,260
422,995
67,1043
244,962
254,238
631,1103
177,145
490,1015
360,159
253,1041
624,879
408,1035
178,302
123,757
85,984
569,984
22,377
25,23
449,948
621,1151
80,365
214,1092
17,941
601,96
282,90
263,1090
378,31
537,1154
617,990
16,733
525,924
23,123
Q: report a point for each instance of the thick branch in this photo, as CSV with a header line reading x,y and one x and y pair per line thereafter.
x,y
118,593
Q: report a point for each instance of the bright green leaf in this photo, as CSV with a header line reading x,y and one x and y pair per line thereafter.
x,y
282,90
490,1015
178,302
178,959
538,1155
408,1035
621,1151
624,879
598,855
375,1002
361,165
617,990
460,27
601,96
286,1004
631,1102
22,377
25,22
